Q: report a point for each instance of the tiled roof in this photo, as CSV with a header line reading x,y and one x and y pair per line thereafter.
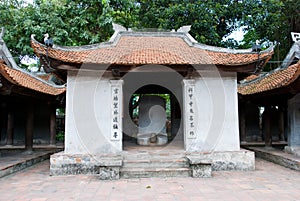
x,y
274,80
26,80
142,48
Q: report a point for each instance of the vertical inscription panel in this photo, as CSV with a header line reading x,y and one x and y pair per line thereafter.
x,y
116,109
189,108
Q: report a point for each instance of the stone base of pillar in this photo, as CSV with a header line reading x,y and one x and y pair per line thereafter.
x,y
292,150
242,160
109,173
107,167
200,168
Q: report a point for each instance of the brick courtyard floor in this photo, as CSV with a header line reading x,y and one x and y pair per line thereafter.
x,y
268,182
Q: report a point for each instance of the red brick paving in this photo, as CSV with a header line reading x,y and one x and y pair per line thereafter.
x,y
268,182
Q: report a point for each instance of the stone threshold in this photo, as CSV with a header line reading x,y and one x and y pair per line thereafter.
x,y
277,156
14,161
139,165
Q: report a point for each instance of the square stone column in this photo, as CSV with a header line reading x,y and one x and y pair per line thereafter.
x,y
189,112
94,112
210,113
116,110
294,125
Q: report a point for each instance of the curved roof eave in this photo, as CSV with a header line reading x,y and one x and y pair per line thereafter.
x,y
273,80
28,81
185,36
9,64
124,42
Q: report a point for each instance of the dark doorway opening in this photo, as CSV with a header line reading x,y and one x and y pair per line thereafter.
x,y
172,106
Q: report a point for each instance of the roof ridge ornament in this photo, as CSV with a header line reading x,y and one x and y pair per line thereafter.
x,y
295,36
118,28
184,29
2,32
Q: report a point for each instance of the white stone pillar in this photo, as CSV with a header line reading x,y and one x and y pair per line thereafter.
x,y
116,111
189,112
89,114
210,113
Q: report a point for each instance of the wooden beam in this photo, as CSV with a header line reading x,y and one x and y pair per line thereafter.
x,y
247,68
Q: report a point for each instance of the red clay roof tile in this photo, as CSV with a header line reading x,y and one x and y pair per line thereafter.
x,y
274,80
148,50
25,80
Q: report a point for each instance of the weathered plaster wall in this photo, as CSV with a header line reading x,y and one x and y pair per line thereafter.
x,y
216,113
88,114
88,110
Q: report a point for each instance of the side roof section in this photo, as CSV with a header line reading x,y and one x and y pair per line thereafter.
x,y
17,76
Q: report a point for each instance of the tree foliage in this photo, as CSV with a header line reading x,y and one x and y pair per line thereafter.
x,y
79,22
69,22
172,14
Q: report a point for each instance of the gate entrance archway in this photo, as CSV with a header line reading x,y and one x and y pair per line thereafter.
x,y
166,86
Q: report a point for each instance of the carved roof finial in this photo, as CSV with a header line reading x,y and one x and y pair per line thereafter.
x,y
295,36
48,41
118,27
184,29
2,32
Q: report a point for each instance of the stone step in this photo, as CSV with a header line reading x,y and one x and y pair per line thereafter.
x,y
154,172
150,156
156,163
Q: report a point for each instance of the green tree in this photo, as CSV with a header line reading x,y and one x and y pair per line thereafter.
x,y
172,14
79,22
272,20
69,22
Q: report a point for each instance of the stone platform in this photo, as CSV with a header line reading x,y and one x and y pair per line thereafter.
x,y
106,166
148,161
277,156
15,158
